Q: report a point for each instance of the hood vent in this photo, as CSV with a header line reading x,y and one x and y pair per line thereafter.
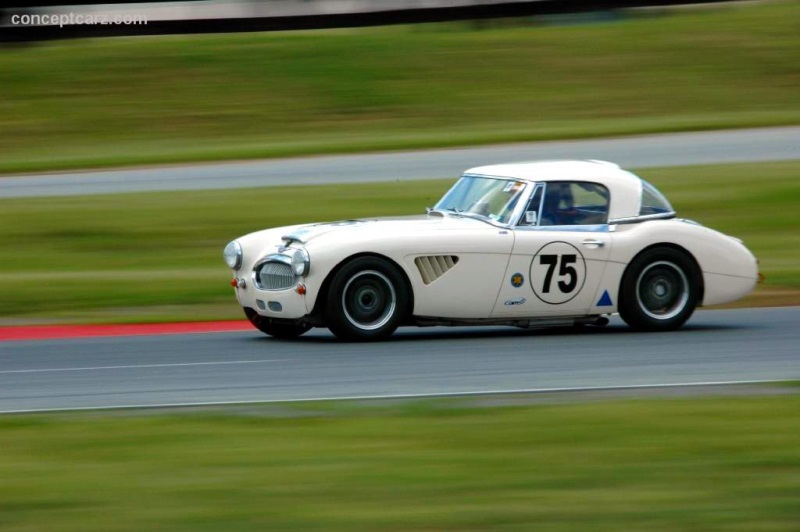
x,y
434,266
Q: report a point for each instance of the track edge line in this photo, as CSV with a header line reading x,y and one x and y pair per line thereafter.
x,y
468,393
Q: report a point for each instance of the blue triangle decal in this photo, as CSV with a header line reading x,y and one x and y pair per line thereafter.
x,y
605,300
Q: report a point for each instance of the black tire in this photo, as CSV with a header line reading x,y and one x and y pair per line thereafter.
x,y
659,290
366,300
276,329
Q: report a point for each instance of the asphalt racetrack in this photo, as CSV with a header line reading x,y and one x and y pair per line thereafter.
x,y
676,149
715,346
233,367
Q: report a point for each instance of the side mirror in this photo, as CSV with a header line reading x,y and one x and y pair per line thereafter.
x,y
530,217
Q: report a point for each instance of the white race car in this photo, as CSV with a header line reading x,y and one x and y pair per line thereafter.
x,y
529,244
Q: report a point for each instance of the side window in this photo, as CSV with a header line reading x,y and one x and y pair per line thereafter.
x,y
653,202
574,203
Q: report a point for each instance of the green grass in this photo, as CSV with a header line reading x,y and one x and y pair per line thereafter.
x,y
193,98
157,256
691,464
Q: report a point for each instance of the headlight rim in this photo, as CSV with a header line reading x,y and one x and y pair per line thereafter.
x,y
233,250
300,262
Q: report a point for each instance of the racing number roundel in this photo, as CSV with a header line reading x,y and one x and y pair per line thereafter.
x,y
558,272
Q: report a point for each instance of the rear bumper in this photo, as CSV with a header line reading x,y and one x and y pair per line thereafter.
x,y
721,288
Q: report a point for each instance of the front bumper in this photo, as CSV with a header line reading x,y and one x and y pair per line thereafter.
x,y
283,304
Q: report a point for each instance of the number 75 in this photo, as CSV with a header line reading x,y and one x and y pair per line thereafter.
x,y
565,270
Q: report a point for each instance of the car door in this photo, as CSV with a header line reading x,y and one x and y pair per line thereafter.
x,y
560,252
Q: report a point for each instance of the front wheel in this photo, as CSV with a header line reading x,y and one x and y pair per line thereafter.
x,y
280,330
660,290
367,300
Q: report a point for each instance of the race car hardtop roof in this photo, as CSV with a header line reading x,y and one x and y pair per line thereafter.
x,y
624,187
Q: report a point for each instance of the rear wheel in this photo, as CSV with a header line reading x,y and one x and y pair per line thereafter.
x,y
660,290
275,329
366,300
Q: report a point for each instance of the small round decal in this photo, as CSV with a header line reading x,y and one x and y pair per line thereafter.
x,y
558,272
517,280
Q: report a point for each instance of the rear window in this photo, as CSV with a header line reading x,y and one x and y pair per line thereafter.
x,y
653,201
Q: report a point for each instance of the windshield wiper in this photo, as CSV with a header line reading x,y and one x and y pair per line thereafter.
x,y
472,216
442,212
461,214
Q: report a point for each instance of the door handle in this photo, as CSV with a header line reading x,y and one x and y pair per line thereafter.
x,y
594,243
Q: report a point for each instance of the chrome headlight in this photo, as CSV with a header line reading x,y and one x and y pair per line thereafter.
x,y
300,262
233,255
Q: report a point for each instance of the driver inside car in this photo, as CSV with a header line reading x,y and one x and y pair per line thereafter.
x,y
558,205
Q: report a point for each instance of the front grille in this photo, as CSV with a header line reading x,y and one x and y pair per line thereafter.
x,y
274,276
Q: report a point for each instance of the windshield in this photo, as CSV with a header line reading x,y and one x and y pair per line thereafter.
x,y
489,197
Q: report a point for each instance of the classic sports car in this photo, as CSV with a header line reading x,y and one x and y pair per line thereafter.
x,y
541,243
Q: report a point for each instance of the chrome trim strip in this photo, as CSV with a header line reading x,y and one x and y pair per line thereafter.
x,y
502,177
595,228
637,219
273,257
541,205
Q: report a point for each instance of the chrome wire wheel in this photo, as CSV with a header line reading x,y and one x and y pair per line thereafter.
x,y
369,300
662,290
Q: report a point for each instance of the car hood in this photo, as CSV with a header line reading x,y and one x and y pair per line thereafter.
x,y
385,227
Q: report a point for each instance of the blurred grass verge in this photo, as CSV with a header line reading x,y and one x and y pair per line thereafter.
x,y
127,101
724,463
157,256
